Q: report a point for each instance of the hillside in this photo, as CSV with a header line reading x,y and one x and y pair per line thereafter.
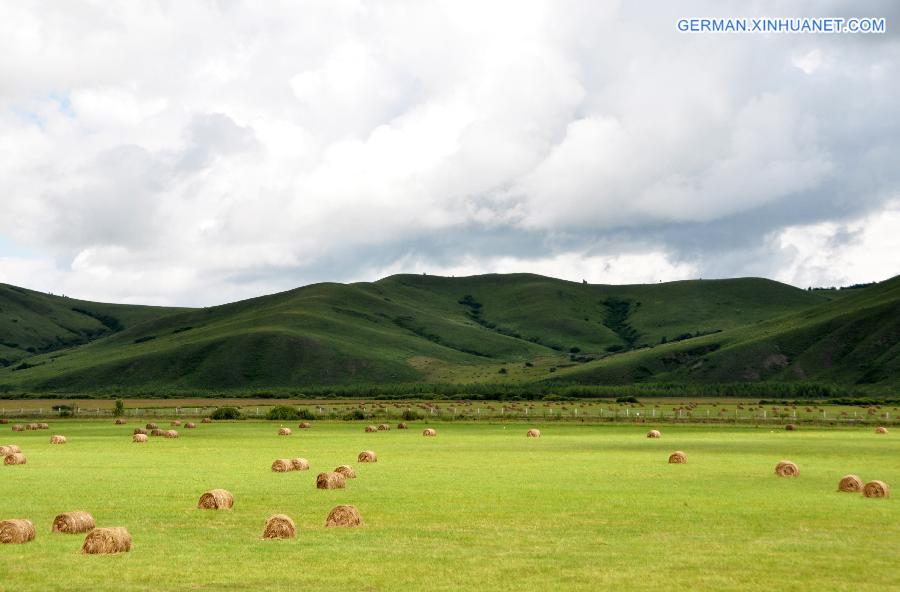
x,y
517,328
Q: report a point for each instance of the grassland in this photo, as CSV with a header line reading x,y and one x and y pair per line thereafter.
x,y
585,507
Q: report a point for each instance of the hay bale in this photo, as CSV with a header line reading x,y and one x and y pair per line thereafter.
x,y
285,432
430,432
32,426
383,427
157,432
216,499
330,480
170,434
16,458
120,421
300,464
190,425
279,526
347,471
106,541
533,433
367,456
18,428
371,428
786,468
206,420
876,489
16,531
850,484
653,434
282,465
304,425
402,426
9,449
677,458
176,423
343,516
73,522
43,426
57,439
791,427
3,421
139,431
152,426
881,430
138,438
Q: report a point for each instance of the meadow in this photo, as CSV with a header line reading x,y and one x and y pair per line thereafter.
x,y
480,506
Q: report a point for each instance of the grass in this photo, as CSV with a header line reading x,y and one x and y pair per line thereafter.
x,y
479,507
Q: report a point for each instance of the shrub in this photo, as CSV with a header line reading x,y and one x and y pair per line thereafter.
x,y
226,413
306,414
284,413
627,400
410,415
355,414
119,408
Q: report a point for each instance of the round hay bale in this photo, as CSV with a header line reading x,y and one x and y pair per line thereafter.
x,y
850,484
285,432
383,427
176,423
677,458
120,421
330,480
139,431
533,433
138,438
347,471
43,426
16,531
304,425
430,432
881,430
300,464
216,499
106,541
653,434
57,439
171,434
157,432
402,426
876,489
152,426
32,426
343,516
18,428
786,468
367,456
282,465
9,449
279,526
73,522
16,458
791,427
206,420
190,425
371,428
3,421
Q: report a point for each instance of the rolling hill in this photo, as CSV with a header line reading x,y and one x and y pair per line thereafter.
x,y
507,329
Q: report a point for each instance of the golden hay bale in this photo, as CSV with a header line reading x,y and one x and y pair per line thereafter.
x,y
43,426
282,465
371,428
190,425
57,439
9,449
285,432
16,531
791,427
73,522
18,428
170,434
216,499
176,423
347,471
653,434
304,425
330,480
104,541
152,426
429,432
367,456
206,420
32,426
157,432
343,516
3,421
383,427
138,438
876,489
533,433
677,458
279,526
786,468
300,464
16,458
850,484
402,426
139,431
120,421
881,430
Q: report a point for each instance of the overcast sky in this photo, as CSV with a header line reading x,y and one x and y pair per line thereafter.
x,y
196,153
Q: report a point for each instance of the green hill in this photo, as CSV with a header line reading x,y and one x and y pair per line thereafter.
x,y
515,329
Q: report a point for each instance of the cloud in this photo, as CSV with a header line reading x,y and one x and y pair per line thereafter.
x,y
188,153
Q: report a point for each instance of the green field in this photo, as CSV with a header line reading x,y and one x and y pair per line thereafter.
x,y
585,507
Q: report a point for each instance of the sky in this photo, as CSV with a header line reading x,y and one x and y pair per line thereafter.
x,y
196,153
